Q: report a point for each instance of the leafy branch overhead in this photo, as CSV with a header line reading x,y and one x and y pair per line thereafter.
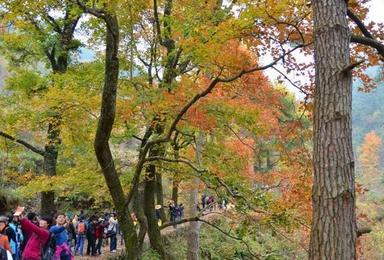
x,y
134,104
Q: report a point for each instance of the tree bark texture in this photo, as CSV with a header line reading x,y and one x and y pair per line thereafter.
x,y
50,162
104,128
175,190
139,210
194,226
333,234
149,209
160,195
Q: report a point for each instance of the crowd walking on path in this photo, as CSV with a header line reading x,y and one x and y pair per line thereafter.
x,y
62,237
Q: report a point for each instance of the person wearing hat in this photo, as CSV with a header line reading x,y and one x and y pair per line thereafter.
x,y
100,226
158,214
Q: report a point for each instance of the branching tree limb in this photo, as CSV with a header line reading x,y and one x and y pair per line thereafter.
x,y
24,143
368,38
187,162
369,42
228,234
359,24
187,106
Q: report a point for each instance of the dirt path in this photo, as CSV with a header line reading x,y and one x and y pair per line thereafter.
x,y
166,231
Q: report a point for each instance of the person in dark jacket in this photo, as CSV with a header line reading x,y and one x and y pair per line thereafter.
x,y
91,236
71,240
11,234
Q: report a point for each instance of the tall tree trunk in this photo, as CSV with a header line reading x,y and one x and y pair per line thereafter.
x,y
104,128
50,162
139,211
58,65
150,192
149,208
160,195
333,233
175,189
194,226
175,179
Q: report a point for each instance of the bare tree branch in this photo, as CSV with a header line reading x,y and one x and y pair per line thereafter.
x,y
187,162
228,234
363,230
369,42
99,13
24,143
290,81
49,19
239,138
359,24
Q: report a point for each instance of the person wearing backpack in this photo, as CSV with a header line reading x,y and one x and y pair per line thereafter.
x,y
4,241
91,236
10,233
16,248
5,254
5,248
81,229
62,249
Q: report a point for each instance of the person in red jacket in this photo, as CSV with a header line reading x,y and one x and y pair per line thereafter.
x,y
38,237
100,226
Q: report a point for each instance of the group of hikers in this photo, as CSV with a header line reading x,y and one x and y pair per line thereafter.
x,y
176,212
33,237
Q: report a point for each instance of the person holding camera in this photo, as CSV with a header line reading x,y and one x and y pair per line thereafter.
x,y
38,236
62,251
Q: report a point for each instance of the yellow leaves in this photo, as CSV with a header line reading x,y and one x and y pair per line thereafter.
x,y
76,180
369,159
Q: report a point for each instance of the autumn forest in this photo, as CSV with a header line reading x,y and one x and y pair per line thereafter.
x,y
263,119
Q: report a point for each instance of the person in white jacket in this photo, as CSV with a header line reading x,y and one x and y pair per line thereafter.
x,y
112,232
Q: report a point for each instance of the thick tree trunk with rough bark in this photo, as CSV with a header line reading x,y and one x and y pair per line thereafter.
x,y
139,211
333,234
160,194
50,162
104,128
175,190
149,209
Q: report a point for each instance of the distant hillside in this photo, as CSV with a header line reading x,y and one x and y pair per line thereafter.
x,y
368,110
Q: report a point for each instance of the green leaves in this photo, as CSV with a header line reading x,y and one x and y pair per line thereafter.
x,y
26,82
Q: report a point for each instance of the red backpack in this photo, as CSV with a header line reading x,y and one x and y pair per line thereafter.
x,y
81,228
